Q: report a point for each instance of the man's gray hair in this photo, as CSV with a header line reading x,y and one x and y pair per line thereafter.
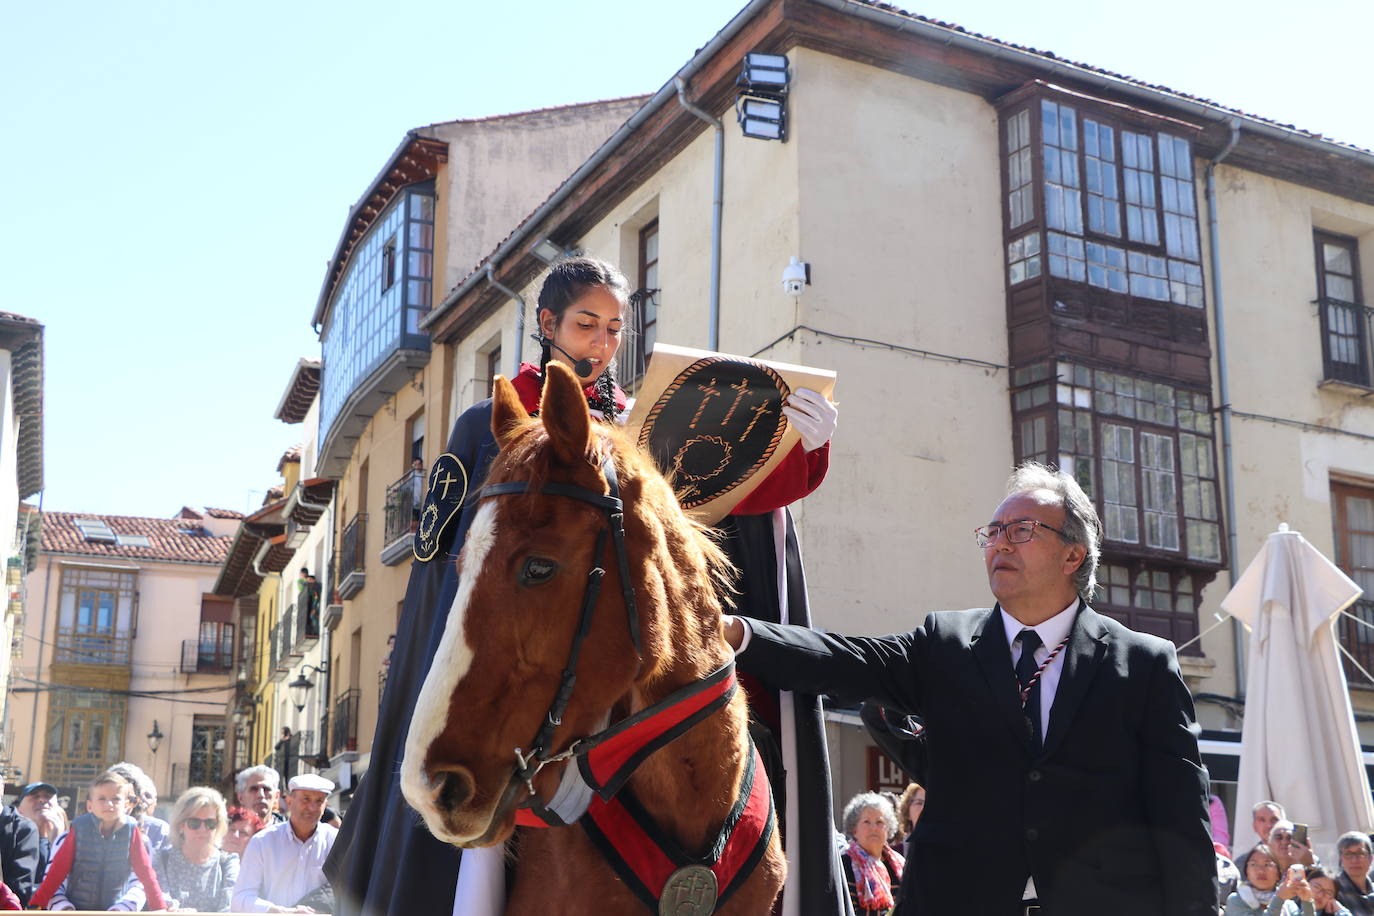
x,y
241,780
1352,839
1267,804
855,810
1081,523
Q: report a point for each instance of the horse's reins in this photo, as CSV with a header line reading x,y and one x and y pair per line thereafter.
x,y
607,774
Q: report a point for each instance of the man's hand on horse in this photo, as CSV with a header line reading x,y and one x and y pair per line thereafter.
x,y
733,629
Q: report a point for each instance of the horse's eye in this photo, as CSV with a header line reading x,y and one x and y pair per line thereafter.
x,y
537,571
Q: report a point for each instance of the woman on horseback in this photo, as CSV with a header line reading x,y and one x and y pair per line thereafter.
x,y
384,860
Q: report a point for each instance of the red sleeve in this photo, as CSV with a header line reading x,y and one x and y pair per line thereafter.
x,y
58,869
143,868
799,473
8,901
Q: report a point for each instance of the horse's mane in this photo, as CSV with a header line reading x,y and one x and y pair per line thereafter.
x,y
527,455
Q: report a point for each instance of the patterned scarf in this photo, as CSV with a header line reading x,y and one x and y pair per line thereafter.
x,y
1255,898
872,885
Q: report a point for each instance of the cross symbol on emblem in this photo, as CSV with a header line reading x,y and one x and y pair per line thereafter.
x,y
689,891
446,480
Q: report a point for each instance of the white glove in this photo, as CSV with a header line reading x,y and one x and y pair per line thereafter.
x,y
813,416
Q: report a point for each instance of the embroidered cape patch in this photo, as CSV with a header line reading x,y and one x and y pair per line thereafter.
x,y
448,484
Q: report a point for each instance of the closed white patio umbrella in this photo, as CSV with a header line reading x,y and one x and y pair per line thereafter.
x,y
1299,745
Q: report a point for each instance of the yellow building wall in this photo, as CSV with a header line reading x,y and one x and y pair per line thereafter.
x,y
359,640
264,730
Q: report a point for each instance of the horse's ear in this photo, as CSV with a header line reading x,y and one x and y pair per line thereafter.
x,y
563,408
507,413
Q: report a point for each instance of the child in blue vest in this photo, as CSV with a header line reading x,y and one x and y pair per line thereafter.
x,y
102,862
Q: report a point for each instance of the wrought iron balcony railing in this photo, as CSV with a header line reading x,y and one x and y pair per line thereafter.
x,y
206,657
352,548
344,722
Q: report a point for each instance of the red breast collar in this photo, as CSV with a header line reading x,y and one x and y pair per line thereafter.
x,y
646,859
608,758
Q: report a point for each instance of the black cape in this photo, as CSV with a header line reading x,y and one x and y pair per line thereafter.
x,y
384,860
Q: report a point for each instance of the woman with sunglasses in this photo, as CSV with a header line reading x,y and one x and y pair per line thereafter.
x,y
195,873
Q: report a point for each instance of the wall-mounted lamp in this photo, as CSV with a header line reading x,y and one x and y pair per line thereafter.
x,y
764,73
762,118
548,251
155,737
761,107
302,685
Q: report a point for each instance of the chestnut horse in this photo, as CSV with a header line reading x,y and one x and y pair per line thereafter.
x,y
531,561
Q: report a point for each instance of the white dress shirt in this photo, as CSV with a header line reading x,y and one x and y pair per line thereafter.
x,y
278,868
1051,632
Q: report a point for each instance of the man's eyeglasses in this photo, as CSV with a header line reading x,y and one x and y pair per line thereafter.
x,y
1018,532
1355,854
197,823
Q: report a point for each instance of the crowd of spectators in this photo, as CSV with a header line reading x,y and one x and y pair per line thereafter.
x,y
120,856
1279,874
266,852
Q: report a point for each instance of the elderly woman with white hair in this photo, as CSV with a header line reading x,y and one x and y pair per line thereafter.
x,y
195,873
871,866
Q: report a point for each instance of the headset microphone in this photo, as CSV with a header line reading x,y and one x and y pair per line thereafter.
x,y
583,367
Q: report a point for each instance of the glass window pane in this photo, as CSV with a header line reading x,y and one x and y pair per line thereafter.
x,y
1359,513
1342,288
1337,259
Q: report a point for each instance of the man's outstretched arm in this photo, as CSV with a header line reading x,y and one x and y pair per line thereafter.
x,y
848,668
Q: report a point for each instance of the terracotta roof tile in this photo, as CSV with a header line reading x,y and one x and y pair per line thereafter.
x,y
222,513
173,539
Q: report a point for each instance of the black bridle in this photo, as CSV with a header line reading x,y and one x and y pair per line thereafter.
x,y
529,763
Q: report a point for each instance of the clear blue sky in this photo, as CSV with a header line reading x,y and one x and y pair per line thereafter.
x,y
177,174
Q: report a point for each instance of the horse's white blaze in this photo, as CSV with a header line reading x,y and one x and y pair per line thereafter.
x,y
451,662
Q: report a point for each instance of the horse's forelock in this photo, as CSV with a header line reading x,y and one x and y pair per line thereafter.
x,y
694,548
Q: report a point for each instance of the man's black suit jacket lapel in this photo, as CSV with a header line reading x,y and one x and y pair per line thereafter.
x,y
994,657
1082,656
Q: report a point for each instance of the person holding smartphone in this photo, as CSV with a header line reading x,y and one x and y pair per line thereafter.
x,y
1290,845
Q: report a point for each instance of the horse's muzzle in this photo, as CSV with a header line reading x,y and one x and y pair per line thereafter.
x,y
448,805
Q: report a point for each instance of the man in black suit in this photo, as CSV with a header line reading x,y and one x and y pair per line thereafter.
x,y
1064,783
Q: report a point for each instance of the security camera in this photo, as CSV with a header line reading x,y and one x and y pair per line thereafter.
x,y
795,277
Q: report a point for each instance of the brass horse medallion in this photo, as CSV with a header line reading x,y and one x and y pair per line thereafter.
x,y
689,891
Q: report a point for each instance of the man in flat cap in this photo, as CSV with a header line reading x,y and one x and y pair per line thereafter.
x,y
283,867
